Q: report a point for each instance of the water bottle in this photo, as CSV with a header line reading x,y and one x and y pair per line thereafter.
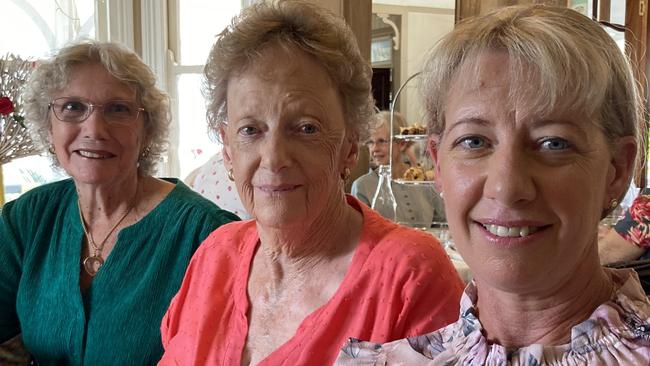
x,y
384,200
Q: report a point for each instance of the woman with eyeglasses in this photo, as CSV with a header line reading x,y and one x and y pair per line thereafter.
x,y
417,205
88,265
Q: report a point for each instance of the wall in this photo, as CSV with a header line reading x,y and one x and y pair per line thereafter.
x,y
422,27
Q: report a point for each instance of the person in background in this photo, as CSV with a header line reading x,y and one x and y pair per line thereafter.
x,y
289,94
89,264
533,113
417,205
211,181
629,239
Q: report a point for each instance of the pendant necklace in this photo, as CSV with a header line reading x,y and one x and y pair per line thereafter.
x,y
94,262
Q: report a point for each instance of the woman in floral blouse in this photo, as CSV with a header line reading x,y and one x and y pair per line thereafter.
x,y
533,115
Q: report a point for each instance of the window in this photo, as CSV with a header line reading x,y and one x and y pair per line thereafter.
x,y
33,29
198,24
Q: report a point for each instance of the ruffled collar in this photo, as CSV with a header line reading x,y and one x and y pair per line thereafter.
x,y
625,316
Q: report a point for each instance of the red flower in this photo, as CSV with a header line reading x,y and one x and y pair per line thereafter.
x,y
640,210
6,105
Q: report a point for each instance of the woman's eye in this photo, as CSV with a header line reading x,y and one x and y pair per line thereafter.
x,y
117,107
472,142
555,143
308,128
73,107
248,130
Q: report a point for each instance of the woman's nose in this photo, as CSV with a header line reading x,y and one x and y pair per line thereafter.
x,y
275,152
95,126
509,177
375,147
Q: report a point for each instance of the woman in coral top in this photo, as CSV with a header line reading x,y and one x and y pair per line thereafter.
x,y
289,95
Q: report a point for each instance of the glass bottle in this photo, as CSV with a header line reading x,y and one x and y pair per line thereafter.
x,y
384,199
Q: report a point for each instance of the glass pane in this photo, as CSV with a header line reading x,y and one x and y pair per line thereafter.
x,y
26,173
44,26
200,22
617,14
195,146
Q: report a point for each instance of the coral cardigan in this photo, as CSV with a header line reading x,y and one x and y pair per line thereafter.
x,y
400,283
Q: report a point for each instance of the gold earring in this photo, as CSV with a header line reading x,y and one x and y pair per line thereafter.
x,y
613,203
51,150
346,174
145,153
230,176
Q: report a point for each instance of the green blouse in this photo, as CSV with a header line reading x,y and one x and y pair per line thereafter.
x,y
117,320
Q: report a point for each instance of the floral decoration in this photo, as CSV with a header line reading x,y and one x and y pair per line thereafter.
x,y
15,141
6,105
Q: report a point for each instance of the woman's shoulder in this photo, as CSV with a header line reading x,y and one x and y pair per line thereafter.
x,y
61,186
416,350
47,195
368,179
183,199
384,235
403,240
233,237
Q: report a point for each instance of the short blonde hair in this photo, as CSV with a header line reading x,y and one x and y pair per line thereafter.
x,y
566,59
383,119
291,24
54,74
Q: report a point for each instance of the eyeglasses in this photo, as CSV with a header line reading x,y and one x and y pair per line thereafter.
x,y
380,142
77,110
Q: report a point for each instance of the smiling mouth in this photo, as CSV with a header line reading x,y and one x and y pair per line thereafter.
x,y
278,189
512,231
94,155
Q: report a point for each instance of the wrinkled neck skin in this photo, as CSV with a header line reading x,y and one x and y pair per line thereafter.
x,y
546,317
295,252
103,202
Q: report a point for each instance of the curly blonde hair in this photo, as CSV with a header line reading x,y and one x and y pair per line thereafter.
x,y
291,24
54,74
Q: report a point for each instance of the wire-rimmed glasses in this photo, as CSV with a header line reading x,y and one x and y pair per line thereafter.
x,y
77,110
379,141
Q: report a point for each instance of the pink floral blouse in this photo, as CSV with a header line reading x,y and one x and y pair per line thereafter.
x,y
616,333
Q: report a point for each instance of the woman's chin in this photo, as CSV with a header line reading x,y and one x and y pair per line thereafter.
x,y
280,220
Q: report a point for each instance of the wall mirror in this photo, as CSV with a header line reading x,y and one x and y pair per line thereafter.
x,y
404,30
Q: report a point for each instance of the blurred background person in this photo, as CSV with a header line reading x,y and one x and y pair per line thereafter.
x,y
88,265
211,181
417,205
289,94
534,114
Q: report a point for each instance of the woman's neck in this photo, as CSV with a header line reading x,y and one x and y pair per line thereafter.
x,y
289,252
513,320
99,202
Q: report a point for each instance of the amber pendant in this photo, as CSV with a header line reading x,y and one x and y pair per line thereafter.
x,y
92,264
